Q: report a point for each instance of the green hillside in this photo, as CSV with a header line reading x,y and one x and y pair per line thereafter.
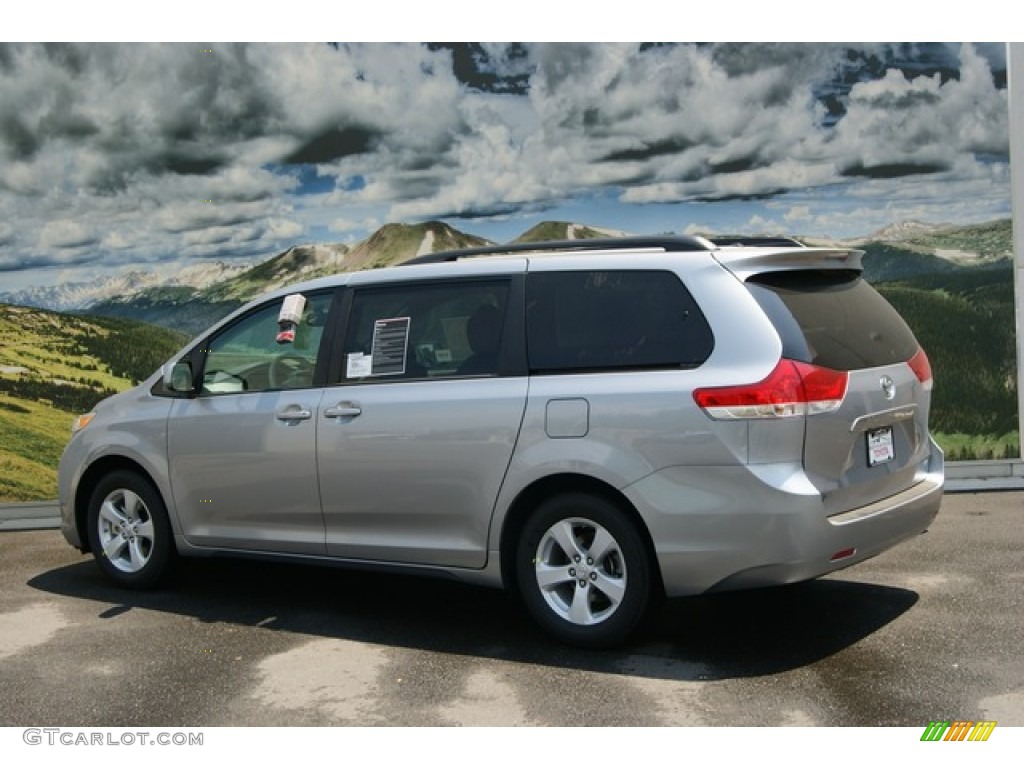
x,y
303,262
965,322
184,309
988,241
52,367
885,262
33,435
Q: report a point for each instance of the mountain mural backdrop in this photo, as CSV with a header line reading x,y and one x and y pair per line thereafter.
x,y
953,284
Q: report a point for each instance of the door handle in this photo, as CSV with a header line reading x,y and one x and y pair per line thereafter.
x,y
294,413
343,411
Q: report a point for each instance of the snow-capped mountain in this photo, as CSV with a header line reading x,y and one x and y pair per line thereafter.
x,y
905,230
66,297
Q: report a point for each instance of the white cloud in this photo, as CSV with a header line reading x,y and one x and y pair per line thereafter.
x,y
797,214
108,152
346,225
283,229
66,234
759,225
896,120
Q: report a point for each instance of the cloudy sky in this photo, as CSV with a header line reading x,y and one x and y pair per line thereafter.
x,y
116,156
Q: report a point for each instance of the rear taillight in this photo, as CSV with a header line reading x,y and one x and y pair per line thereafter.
x,y
922,369
792,389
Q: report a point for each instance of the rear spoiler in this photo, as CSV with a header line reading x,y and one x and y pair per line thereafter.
x,y
744,262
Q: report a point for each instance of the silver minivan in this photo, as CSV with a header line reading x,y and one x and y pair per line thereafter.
x,y
592,424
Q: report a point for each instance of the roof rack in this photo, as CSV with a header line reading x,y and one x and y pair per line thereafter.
x,y
724,241
666,243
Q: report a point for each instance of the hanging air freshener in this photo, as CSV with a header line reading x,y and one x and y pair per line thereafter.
x,y
288,318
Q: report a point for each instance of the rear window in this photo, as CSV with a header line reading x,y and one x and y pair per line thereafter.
x,y
833,319
612,319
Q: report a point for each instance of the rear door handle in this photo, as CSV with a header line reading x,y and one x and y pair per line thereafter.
x,y
343,411
294,413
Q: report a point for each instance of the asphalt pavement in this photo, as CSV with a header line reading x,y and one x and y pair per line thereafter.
x,y
929,630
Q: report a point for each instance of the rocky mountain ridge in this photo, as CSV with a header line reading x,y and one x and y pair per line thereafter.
x,y
148,295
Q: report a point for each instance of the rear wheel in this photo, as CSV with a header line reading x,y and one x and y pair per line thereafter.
x,y
129,532
583,570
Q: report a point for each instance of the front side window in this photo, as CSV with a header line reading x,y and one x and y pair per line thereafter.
x,y
247,356
425,331
607,320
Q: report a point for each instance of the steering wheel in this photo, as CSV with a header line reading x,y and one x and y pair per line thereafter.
x,y
290,371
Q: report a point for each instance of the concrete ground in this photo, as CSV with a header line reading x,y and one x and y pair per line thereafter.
x,y
930,630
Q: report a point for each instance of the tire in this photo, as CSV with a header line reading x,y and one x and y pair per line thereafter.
x,y
129,532
583,571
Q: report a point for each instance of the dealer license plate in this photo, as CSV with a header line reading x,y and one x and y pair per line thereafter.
x,y
880,447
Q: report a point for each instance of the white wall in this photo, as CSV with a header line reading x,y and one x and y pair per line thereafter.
x,y
1015,56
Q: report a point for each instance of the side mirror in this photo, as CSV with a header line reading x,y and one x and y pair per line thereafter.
x,y
178,377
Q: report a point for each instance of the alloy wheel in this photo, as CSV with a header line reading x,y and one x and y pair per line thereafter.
x,y
126,532
581,571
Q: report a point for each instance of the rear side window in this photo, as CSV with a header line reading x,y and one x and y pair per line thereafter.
x,y
833,319
601,320
426,331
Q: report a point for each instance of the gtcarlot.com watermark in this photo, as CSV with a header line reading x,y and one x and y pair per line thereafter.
x,y
71,737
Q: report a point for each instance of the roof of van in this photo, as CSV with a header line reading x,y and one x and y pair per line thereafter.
x,y
664,243
741,254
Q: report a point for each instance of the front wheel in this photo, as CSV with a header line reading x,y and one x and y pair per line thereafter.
x,y
129,532
583,570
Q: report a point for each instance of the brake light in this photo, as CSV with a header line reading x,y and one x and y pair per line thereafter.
x,y
792,389
922,369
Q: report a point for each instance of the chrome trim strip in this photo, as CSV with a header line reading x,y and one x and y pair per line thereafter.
x,y
932,483
884,418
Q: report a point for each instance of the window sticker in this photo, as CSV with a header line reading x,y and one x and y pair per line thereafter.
x,y
358,366
390,341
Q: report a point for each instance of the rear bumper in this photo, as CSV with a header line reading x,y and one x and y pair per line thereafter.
x,y
732,528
